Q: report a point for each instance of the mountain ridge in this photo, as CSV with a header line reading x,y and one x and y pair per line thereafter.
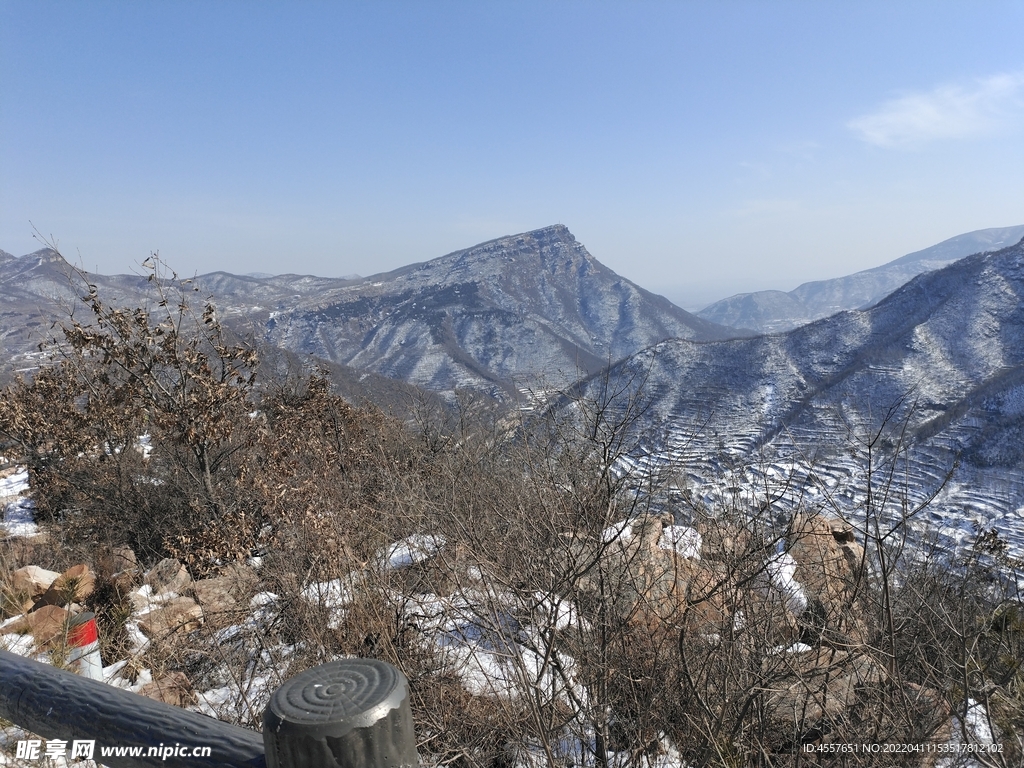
x,y
516,306
531,306
775,311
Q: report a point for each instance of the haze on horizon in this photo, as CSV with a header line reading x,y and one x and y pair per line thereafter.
x,y
699,149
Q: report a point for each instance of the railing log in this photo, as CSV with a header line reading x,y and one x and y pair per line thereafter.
x,y
58,704
353,713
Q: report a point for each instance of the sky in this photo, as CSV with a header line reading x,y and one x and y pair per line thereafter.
x,y
700,149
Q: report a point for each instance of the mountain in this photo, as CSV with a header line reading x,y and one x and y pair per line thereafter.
x,y
531,307
38,289
942,355
526,307
774,311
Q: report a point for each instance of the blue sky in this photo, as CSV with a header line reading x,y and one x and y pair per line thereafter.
x,y
698,148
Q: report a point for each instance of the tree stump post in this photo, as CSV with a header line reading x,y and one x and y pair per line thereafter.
x,y
353,713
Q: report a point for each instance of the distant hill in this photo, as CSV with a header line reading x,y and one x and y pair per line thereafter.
x,y
774,311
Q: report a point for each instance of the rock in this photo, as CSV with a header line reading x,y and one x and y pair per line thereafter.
x,y
181,614
74,585
217,599
143,599
723,542
173,688
45,624
655,588
125,581
831,571
242,579
32,580
118,560
169,575
223,596
818,687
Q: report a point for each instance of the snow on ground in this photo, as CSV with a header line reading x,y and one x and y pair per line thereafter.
x,y
412,549
335,595
15,484
781,570
475,631
683,540
621,532
18,517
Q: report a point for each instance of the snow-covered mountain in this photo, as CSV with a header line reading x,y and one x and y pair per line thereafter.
x,y
530,307
521,307
774,311
948,345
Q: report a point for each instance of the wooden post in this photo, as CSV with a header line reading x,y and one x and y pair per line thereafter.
x,y
353,713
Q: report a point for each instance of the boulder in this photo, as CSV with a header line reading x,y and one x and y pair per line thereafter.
x,y
223,596
45,624
117,560
180,614
32,580
818,687
830,568
173,688
723,542
74,585
218,599
169,575
241,579
656,587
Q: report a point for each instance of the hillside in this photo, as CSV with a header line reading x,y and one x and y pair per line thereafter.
x,y
949,345
525,308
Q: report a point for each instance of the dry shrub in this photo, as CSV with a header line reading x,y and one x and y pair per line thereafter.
x,y
660,652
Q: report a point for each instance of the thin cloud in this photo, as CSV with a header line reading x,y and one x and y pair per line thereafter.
x,y
950,111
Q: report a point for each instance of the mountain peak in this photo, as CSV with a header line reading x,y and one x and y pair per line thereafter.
x,y
46,256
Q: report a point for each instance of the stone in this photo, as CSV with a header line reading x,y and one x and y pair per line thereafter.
x,y
169,575
45,624
143,599
217,598
74,585
181,614
819,686
830,568
32,580
723,542
173,688
125,581
242,579
117,560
